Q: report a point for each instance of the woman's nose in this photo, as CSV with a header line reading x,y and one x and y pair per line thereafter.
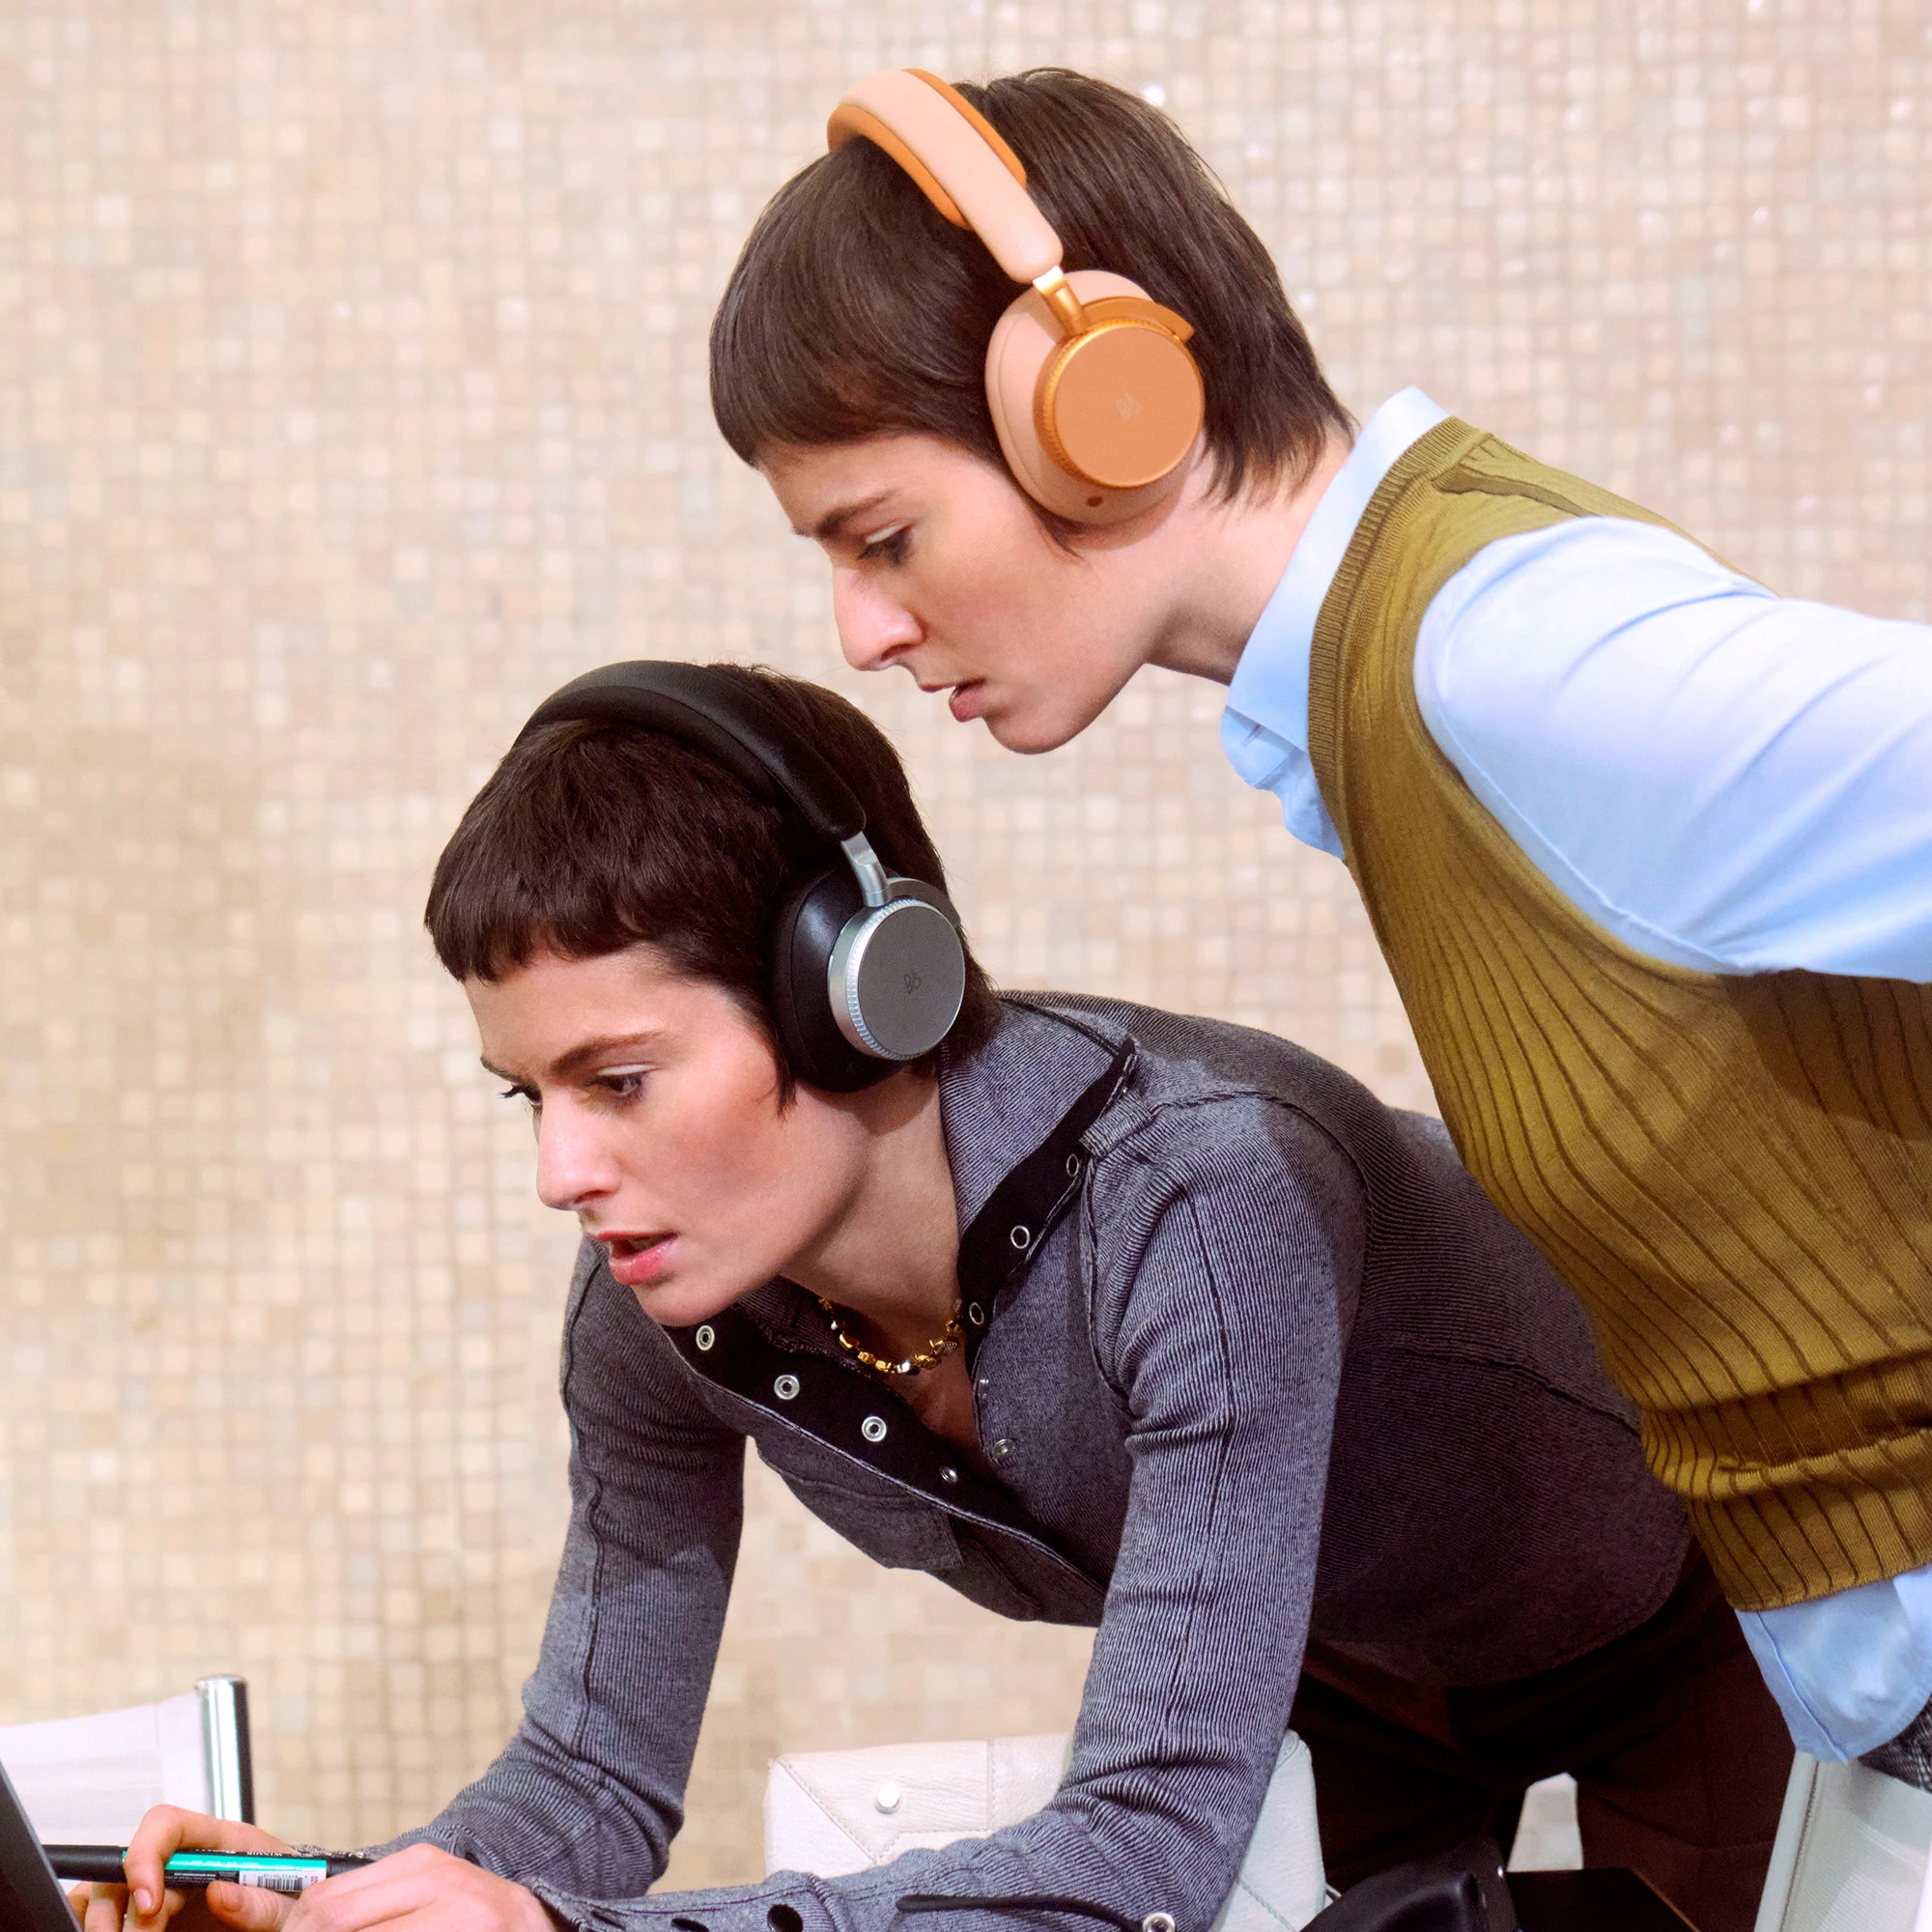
x,y
574,1171
873,626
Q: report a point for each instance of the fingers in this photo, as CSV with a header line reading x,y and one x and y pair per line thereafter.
x,y
420,1890
166,1828
249,1908
97,1907
392,1887
160,1834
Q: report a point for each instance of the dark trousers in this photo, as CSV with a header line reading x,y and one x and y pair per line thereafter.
x,y
1679,1755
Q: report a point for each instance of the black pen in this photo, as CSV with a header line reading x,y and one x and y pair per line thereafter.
x,y
105,1864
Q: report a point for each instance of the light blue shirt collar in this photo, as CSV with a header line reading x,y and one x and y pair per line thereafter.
x,y
1264,726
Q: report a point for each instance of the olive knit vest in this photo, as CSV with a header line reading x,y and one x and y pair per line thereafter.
x,y
1733,1173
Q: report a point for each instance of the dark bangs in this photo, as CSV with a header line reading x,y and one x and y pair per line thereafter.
x,y
589,839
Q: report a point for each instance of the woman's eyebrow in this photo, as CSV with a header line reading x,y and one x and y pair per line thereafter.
x,y
568,1065
833,525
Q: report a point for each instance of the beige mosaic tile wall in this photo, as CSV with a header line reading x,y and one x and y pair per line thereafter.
x,y
351,396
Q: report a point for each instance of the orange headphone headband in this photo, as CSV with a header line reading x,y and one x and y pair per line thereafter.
x,y
1096,400
851,119
956,157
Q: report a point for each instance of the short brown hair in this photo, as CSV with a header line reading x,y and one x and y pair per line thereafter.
x,y
589,838
856,309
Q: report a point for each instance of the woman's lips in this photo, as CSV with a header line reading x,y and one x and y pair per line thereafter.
x,y
964,703
637,1260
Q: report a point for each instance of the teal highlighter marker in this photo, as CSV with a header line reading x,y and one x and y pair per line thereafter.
x,y
103,1864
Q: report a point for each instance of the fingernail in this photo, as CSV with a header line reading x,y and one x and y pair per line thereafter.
x,y
143,1904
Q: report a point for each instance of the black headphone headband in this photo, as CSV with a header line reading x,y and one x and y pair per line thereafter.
x,y
708,709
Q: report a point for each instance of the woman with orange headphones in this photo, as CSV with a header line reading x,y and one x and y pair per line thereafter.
x,y
1647,848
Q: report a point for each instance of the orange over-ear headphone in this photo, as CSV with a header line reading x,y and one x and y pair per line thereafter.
x,y
1096,402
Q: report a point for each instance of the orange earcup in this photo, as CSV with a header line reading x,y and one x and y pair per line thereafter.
x,y
1098,425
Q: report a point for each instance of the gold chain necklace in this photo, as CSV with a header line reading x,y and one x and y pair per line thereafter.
x,y
931,1356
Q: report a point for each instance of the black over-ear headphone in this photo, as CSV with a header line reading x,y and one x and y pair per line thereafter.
x,y
868,969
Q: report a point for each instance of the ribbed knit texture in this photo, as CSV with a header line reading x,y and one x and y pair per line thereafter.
x,y
1734,1174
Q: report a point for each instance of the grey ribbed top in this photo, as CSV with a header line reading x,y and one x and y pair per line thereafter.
x,y
1271,1360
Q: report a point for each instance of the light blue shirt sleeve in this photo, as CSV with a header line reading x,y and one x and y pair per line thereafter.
x,y
1724,779
1849,1672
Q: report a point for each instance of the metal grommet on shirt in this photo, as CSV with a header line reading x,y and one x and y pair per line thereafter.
x,y
1021,1238
873,1429
1072,1165
785,1387
1157,1922
948,1473
1002,1449
976,1315
706,1335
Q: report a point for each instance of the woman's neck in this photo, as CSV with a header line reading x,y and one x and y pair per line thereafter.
x,y
1211,566
892,1257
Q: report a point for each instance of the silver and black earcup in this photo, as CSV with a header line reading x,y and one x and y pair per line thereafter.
x,y
898,975
858,989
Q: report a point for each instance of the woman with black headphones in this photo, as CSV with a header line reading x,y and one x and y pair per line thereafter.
x,y
1096,1314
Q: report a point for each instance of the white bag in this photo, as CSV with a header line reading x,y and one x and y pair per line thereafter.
x,y
1851,1854
88,1780
833,1812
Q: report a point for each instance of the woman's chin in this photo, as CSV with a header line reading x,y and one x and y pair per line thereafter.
x,y
680,1303
1032,728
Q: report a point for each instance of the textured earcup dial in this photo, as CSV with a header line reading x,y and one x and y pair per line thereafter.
x,y
1119,405
897,979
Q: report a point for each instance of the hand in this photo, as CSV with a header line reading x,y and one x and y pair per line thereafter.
x,y
420,1890
165,1829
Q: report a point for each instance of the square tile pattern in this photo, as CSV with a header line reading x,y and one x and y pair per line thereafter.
x,y
353,395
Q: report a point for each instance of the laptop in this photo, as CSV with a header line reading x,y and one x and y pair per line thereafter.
x,y
32,1899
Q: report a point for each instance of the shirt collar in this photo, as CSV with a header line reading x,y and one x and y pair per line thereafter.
x,y
1267,699
1000,1103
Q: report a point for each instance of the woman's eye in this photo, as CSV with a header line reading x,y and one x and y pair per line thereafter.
x,y
892,547
525,1094
623,1085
